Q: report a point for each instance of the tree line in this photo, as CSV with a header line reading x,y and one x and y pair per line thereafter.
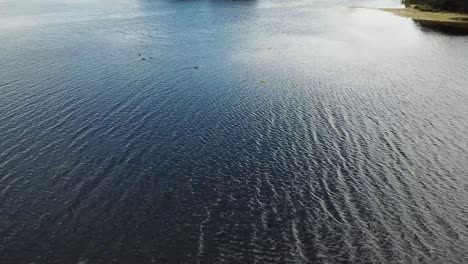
x,y
439,5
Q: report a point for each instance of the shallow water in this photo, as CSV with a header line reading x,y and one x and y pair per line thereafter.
x,y
260,131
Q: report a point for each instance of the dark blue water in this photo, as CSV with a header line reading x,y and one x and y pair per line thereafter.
x,y
154,131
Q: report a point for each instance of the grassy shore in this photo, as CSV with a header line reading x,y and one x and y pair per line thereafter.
x,y
445,19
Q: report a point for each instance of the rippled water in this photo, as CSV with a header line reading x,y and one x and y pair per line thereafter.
x,y
260,131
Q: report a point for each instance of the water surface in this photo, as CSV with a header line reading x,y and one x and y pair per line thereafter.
x,y
267,131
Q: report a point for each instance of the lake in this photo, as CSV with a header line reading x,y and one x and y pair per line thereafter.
x,y
267,131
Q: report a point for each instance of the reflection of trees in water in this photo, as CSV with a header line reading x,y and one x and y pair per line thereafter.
x,y
446,28
153,3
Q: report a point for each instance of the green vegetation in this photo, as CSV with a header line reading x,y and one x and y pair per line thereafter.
x,y
438,5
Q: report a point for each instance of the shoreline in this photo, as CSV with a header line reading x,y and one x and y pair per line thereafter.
x,y
437,18
447,22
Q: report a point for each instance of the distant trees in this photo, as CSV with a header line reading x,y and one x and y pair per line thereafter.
x,y
435,5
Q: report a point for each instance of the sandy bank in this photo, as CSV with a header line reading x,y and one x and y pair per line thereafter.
x,y
434,18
